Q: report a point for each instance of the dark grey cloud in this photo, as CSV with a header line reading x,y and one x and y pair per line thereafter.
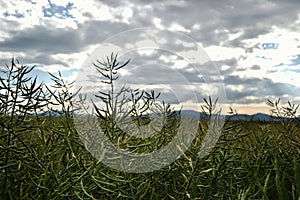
x,y
217,19
161,74
261,88
41,42
232,63
95,31
255,67
49,39
151,69
43,39
33,60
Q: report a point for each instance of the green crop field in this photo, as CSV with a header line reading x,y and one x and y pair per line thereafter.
x,y
42,156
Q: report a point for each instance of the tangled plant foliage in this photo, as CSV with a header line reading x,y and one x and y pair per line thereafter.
x,y
133,120
289,111
286,116
21,96
43,157
129,104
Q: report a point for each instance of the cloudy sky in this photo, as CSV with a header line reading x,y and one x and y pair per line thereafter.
x,y
254,45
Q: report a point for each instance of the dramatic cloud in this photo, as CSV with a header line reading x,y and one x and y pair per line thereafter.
x,y
255,45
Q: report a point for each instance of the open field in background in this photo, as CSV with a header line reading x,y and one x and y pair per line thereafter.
x,y
42,157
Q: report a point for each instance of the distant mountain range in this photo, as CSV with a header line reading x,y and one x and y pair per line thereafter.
x,y
254,117
201,115
245,117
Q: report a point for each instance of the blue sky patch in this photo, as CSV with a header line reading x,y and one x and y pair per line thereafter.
x,y
267,46
16,14
295,61
61,12
263,57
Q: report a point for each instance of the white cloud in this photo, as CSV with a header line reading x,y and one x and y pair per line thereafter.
x,y
59,2
127,14
177,27
276,60
234,35
196,27
74,60
51,68
146,52
32,13
223,53
179,64
157,23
